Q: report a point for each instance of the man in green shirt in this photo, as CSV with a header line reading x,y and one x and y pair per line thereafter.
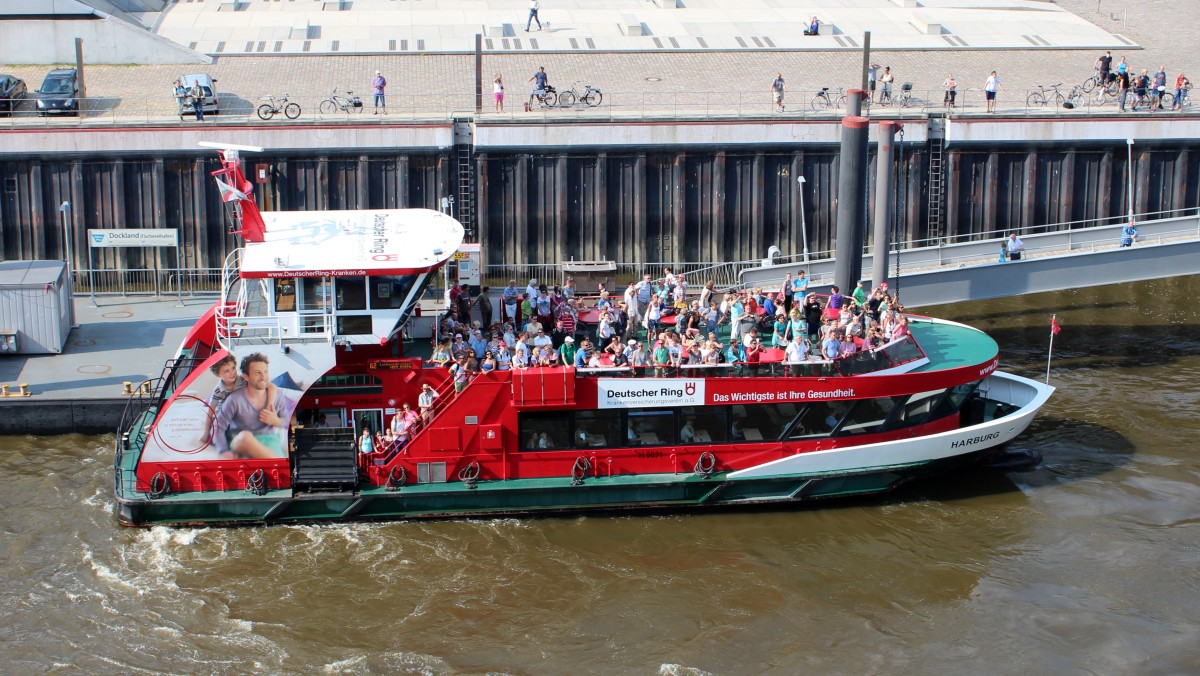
x,y
567,352
860,294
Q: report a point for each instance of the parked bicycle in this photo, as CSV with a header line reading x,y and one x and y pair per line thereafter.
x,y
825,100
272,107
349,103
546,98
1041,97
590,95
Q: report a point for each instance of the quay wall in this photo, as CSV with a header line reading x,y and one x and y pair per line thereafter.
x,y
547,190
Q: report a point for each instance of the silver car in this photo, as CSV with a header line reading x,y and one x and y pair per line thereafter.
x,y
208,85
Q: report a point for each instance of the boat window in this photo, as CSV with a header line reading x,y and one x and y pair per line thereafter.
x,y
388,293
597,429
903,351
650,428
914,411
711,423
816,420
545,431
756,423
955,398
351,293
285,295
354,325
867,416
314,293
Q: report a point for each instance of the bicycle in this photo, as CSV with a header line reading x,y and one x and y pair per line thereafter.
x,y
1105,93
547,98
824,100
904,99
347,104
272,107
1098,80
1041,97
590,95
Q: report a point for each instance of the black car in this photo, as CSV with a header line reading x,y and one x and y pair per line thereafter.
x,y
59,92
12,91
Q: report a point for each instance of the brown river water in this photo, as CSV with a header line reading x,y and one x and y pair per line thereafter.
x,y
1088,563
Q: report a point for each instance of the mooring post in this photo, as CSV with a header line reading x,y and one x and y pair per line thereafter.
x,y
884,209
851,223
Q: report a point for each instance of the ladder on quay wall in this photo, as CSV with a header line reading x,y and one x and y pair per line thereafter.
x,y
937,176
464,195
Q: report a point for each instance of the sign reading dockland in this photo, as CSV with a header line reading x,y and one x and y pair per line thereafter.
x,y
107,239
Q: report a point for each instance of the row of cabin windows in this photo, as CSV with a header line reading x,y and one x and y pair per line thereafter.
x,y
315,294
562,430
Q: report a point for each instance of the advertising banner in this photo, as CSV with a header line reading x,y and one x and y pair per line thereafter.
x,y
645,393
238,406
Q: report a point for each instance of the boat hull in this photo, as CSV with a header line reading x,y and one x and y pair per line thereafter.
x,y
853,471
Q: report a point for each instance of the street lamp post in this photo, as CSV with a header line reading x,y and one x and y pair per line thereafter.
x,y
62,211
803,225
1129,174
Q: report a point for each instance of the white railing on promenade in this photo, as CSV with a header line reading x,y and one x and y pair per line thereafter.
x,y
801,103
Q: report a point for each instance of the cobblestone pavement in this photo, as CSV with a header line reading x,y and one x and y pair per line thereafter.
x,y
650,83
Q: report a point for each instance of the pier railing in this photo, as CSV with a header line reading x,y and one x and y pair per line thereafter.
x,y
803,102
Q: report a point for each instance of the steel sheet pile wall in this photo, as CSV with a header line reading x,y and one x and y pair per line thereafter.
x,y
178,192
626,204
652,206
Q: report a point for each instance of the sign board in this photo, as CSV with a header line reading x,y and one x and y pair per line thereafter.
x,y
646,393
107,239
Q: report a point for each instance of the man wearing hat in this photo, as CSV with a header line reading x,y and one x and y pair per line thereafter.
x,y
566,353
425,401
379,83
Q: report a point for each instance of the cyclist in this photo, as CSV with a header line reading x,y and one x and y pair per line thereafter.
x,y
1104,67
540,80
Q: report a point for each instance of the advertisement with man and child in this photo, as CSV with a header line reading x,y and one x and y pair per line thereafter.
x,y
236,407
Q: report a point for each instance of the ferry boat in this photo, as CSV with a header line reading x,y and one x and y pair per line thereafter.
x,y
256,418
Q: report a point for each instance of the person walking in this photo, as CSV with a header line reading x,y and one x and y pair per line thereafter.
x,y
379,83
777,92
951,90
498,92
989,91
196,94
534,6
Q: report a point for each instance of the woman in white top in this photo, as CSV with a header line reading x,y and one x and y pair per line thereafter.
x,y
951,90
498,92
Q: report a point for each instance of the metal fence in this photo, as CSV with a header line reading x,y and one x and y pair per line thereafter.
x,y
147,282
805,103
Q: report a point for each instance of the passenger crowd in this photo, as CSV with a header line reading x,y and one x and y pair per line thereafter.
x,y
660,326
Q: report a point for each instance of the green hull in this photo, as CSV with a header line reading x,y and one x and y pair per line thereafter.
x,y
516,497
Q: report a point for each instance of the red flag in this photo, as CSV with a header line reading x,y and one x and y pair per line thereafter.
x,y
1054,327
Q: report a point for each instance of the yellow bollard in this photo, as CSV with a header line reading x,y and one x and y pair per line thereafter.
x,y
147,388
127,388
25,390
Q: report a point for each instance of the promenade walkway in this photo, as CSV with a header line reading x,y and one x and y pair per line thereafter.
x,y
724,78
